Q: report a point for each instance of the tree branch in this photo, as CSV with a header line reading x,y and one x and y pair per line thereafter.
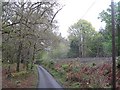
x,y
55,14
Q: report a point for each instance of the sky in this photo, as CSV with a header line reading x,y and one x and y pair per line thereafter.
x,y
81,9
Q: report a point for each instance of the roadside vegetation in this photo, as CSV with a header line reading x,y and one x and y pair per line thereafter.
x,y
74,74
22,79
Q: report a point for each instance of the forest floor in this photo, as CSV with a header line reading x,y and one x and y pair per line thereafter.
x,y
22,79
75,74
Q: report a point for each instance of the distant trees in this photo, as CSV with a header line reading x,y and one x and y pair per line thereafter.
x,y
27,28
74,48
58,50
81,39
90,43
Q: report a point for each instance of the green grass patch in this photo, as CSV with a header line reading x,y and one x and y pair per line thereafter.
x,y
35,71
75,85
59,76
20,74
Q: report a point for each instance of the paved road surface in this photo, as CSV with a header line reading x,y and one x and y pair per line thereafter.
x,y
46,80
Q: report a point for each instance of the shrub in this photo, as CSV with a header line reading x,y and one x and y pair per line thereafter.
x,y
50,64
65,66
20,74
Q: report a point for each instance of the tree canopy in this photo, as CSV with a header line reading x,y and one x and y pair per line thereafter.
x,y
27,28
82,35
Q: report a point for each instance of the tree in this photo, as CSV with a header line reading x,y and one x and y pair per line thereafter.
x,y
26,25
83,32
74,48
58,49
105,16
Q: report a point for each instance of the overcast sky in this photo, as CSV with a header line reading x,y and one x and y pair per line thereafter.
x,y
76,9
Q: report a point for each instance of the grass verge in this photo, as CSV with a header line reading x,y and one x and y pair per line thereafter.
x,y
22,79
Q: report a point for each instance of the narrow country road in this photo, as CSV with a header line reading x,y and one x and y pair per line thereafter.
x,y
46,80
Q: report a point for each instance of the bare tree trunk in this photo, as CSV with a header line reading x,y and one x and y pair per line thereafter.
x,y
82,42
33,58
118,28
83,47
79,51
20,39
19,57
